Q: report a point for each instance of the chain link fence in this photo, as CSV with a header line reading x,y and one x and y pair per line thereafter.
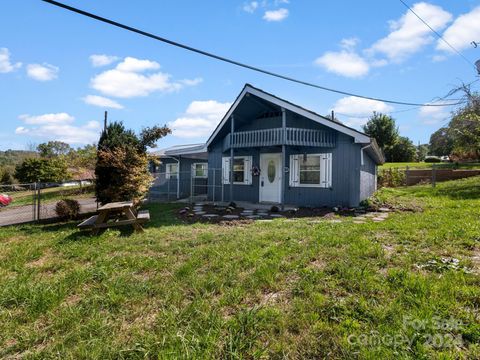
x,y
189,185
22,203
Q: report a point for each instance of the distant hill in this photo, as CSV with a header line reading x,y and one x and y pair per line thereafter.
x,y
10,158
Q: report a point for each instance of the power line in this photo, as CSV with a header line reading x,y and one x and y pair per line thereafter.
x,y
227,60
436,33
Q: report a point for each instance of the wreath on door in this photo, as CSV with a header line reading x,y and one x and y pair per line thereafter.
x,y
255,171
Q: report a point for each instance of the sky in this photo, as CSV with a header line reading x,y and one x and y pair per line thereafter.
x,y
60,71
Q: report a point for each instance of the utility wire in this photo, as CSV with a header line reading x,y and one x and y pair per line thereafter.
x,y
227,60
436,33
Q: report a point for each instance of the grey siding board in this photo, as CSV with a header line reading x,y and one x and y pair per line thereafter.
x,y
367,177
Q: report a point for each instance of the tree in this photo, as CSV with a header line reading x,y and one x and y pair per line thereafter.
x,y
6,178
441,142
43,170
422,152
53,148
383,129
121,170
402,150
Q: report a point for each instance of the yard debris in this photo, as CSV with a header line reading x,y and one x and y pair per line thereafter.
x,y
443,264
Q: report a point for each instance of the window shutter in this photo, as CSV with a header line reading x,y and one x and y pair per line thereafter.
x,y
247,168
226,170
326,170
294,171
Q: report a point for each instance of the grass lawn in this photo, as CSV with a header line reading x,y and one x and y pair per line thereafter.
x,y
424,165
280,289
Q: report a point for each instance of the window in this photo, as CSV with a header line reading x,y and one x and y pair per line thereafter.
x,y
311,170
171,171
242,166
200,170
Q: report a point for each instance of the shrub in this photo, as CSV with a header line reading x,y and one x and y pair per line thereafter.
x,y
67,209
432,159
392,178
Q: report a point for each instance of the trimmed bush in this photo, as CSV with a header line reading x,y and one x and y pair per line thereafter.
x,y
391,177
67,209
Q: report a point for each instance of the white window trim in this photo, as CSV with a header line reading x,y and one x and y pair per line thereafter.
x,y
194,170
295,172
247,174
168,170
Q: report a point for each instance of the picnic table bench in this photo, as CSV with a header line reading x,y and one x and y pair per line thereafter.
x,y
120,213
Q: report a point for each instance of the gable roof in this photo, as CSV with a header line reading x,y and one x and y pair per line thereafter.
x,y
358,136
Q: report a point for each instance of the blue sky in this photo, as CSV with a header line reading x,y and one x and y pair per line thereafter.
x,y
59,71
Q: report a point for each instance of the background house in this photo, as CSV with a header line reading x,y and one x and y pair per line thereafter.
x,y
269,150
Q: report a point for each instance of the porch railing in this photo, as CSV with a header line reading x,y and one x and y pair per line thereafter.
x,y
276,136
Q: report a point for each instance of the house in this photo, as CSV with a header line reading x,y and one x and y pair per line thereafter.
x,y
268,150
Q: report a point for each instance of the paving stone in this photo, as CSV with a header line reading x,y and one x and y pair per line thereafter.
x,y
210,215
265,220
384,209
253,217
247,211
199,212
358,222
335,221
230,216
378,219
276,215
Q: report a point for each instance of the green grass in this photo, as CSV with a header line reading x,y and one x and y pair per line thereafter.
x,y
424,165
282,289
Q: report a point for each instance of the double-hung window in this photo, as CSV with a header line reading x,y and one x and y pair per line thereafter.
x,y
171,171
200,170
311,170
242,166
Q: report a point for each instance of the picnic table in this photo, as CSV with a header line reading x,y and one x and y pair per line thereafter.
x,y
116,214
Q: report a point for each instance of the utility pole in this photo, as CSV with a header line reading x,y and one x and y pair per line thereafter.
x,y
105,122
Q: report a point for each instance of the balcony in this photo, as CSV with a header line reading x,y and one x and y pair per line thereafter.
x,y
276,136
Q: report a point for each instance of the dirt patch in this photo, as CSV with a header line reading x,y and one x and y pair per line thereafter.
x,y
388,249
318,264
476,261
42,261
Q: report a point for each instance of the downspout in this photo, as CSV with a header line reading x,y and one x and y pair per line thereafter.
x,y
361,153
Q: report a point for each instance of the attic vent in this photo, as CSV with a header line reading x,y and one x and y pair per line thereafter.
x,y
269,114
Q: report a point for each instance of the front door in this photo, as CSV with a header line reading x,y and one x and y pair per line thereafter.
x,y
270,177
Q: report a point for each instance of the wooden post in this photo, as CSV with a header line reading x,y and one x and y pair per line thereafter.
x,y
407,172
434,175
232,129
38,202
282,167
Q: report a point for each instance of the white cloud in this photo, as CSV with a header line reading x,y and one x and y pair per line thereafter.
x,y
126,80
432,115
465,29
276,15
54,118
349,43
250,7
358,110
345,63
200,119
42,72
101,101
59,127
408,34
102,60
6,65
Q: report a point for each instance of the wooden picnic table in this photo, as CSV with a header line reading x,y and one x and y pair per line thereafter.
x,y
116,214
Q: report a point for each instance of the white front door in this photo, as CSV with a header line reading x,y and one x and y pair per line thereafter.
x,y
270,175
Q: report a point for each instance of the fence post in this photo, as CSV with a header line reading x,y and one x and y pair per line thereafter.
x,y
38,201
407,173
434,175
34,201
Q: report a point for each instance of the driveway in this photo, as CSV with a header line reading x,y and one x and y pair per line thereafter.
x,y
24,213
